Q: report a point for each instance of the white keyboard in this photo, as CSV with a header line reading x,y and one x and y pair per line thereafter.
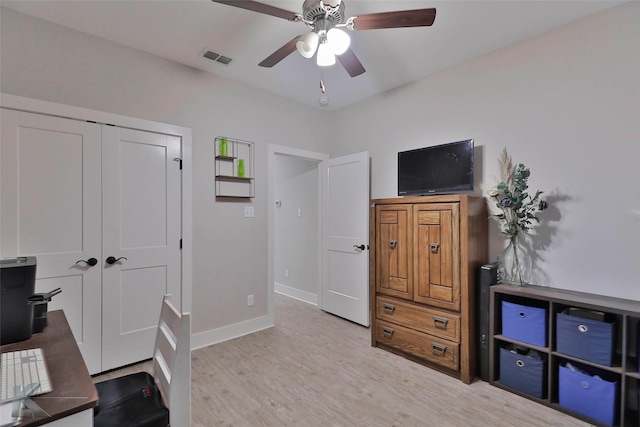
x,y
20,370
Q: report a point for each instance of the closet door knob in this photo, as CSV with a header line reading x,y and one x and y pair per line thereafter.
x,y
90,262
113,260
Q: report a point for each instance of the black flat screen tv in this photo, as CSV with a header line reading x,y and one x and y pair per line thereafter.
x,y
439,169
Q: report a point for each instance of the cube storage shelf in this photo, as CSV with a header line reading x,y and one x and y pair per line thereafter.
x,y
587,367
234,168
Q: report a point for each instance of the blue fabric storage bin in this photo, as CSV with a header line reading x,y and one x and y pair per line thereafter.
x,y
524,323
585,394
587,339
523,372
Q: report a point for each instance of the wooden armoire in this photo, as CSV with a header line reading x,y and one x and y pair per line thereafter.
x,y
425,256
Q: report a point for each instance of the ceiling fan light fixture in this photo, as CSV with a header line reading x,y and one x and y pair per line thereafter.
x,y
325,56
307,44
339,40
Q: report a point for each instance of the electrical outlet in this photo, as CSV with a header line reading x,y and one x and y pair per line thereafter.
x,y
286,274
299,212
249,300
249,212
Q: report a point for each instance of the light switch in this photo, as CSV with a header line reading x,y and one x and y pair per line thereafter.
x,y
249,212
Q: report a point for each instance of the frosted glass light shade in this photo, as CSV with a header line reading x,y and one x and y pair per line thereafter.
x,y
339,40
307,44
325,55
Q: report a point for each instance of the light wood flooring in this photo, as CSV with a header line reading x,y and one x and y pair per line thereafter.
x,y
315,369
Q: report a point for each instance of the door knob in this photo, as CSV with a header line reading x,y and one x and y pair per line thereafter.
x,y
90,262
361,247
113,260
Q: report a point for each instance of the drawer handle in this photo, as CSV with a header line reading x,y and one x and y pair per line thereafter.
x,y
583,328
388,308
393,244
440,322
433,247
438,349
388,332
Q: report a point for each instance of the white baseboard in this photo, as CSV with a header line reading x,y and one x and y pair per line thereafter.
x,y
215,336
307,297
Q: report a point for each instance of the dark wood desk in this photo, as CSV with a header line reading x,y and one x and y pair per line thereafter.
x,y
73,397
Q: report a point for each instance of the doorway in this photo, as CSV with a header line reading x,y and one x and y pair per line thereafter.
x,y
294,232
319,205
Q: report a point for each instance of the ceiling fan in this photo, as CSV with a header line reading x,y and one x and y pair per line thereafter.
x,y
326,40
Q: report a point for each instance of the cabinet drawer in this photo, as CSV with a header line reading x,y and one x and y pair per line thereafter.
x,y
433,322
428,347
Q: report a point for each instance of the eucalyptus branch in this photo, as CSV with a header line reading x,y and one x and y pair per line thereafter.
x,y
516,209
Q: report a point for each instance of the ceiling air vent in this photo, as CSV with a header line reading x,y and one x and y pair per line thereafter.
x,y
216,57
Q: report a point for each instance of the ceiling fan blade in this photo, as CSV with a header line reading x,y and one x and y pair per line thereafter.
x,y
351,63
260,8
280,54
399,19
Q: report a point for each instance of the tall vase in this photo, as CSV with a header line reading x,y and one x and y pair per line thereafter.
x,y
515,263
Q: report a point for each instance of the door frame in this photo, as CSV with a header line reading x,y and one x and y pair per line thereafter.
x,y
272,151
37,106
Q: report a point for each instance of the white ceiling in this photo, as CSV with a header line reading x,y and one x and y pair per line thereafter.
x,y
181,30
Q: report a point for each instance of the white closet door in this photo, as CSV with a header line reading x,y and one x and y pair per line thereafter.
x,y
50,208
141,228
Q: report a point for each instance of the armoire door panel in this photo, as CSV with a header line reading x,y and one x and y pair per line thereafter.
x,y
394,275
447,254
441,293
437,277
426,217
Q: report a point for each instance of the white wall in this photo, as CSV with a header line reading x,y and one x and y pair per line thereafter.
x,y
296,235
567,105
49,62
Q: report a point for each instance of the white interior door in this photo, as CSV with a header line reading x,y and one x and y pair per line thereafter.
x,y
141,228
50,209
345,227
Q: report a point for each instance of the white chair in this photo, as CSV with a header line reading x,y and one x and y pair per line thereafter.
x,y
142,399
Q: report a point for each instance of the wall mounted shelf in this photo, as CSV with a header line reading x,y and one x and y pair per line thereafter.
x,y
234,168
